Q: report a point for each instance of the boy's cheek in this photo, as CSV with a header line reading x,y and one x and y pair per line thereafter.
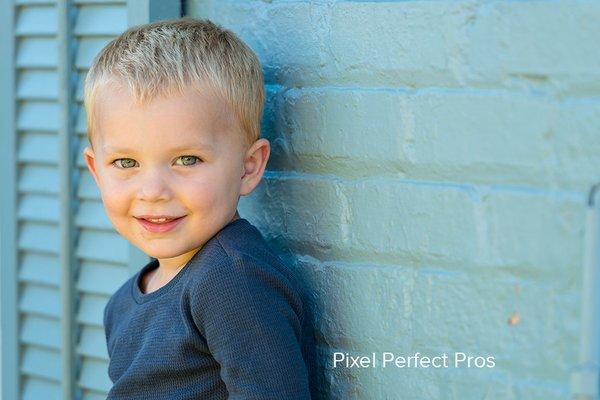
x,y
115,200
118,216
113,212
111,186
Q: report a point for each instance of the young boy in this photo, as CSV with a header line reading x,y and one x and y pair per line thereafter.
x,y
174,111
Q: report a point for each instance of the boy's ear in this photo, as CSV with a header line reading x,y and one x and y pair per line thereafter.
x,y
90,161
254,165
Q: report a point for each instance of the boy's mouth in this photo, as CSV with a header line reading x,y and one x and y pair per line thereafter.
x,y
158,223
158,218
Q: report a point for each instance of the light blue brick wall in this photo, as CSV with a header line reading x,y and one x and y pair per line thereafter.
x,y
429,171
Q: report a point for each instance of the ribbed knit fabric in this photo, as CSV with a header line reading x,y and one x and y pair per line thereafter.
x,y
227,326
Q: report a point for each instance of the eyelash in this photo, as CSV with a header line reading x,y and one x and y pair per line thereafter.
x,y
198,160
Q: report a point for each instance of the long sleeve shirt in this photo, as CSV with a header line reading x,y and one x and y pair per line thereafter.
x,y
227,326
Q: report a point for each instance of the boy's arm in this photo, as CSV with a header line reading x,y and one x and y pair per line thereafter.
x,y
251,319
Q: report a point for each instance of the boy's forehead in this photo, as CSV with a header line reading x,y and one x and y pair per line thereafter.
x,y
180,144
113,97
191,116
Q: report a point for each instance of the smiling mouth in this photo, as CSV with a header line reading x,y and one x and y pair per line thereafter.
x,y
162,224
158,219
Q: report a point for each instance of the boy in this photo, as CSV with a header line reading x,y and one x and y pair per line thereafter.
x,y
174,111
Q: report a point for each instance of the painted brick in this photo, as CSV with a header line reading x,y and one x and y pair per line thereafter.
x,y
377,219
399,43
434,134
535,233
552,45
413,222
455,135
577,142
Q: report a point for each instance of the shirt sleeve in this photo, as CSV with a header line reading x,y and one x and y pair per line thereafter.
x,y
250,317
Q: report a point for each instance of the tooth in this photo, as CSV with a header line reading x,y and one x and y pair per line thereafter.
x,y
157,220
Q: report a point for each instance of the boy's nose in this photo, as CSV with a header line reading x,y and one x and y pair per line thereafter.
x,y
153,187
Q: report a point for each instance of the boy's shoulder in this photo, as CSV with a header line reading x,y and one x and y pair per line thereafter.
x,y
241,240
238,258
238,245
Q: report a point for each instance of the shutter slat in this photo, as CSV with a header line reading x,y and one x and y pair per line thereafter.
x,y
38,148
40,268
92,215
91,310
93,342
81,124
39,208
36,389
39,237
109,2
101,278
37,53
79,92
35,2
41,331
94,375
87,187
101,20
93,246
87,50
38,85
42,300
41,363
39,179
41,116
37,21
93,395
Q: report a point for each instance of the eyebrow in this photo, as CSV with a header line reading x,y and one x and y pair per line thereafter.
x,y
201,146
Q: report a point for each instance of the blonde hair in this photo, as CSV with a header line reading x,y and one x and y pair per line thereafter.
x,y
161,57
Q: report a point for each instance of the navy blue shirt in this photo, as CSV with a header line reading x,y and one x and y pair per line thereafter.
x,y
227,326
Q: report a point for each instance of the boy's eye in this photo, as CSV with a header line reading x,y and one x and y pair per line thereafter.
x,y
189,160
125,163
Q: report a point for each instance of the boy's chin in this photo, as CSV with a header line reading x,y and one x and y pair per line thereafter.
x,y
164,252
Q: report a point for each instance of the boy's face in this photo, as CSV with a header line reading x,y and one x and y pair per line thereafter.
x,y
178,156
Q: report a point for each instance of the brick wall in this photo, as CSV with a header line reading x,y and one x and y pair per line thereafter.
x,y
428,177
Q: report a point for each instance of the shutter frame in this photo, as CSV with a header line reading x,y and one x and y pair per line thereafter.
x,y
8,210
